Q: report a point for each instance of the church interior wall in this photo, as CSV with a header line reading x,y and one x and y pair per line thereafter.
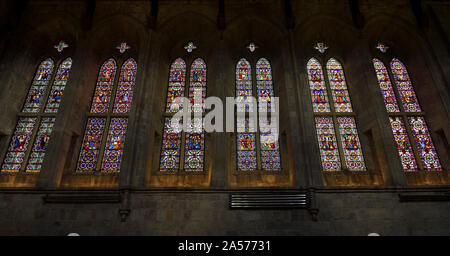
x,y
155,203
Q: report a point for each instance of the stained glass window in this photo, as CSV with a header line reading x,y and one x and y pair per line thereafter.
x,y
32,133
100,102
104,136
338,87
124,94
59,84
326,137
246,141
427,158
317,87
246,147
404,87
19,144
38,88
346,154
385,86
177,80
114,144
195,140
192,141
90,149
198,82
424,144
195,147
171,147
403,146
350,143
40,144
243,79
270,151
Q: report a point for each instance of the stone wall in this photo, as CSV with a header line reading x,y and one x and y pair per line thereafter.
x,y
207,213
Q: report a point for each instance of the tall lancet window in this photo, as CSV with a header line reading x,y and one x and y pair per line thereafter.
x,y
269,146
335,122
414,143
194,153
29,142
105,133
184,150
246,140
253,153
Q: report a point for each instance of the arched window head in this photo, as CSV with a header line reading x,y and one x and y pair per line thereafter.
x,y
177,78
124,94
385,86
338,86
59,85
198,84
38,89
102,95
404,87
317,86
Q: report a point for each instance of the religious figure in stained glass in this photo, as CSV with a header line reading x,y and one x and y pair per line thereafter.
x,y
40,145
39,86
124,94
327,144
58,87
171,148
114,145
317,86
102,94
19,144
338,86
175,89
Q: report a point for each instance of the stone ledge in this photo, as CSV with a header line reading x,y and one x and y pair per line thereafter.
x,y
82,199
424,197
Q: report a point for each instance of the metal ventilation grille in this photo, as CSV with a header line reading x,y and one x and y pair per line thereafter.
x,y
292,200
